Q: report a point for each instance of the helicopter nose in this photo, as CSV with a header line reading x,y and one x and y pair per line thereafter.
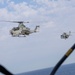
x,y
11,32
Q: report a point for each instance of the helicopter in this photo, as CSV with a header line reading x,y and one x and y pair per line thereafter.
x,y
65,35
22,29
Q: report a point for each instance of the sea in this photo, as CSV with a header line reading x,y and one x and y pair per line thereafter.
x,y
68,69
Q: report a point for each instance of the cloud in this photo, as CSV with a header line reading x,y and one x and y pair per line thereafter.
x,y
2,1
25,11
44,14
48,25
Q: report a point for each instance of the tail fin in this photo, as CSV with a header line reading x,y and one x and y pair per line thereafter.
x,y
36,29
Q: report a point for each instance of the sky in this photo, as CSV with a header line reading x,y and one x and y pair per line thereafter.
x,y
44,48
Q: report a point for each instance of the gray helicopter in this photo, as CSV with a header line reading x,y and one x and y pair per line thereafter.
x,y
65,35
21,29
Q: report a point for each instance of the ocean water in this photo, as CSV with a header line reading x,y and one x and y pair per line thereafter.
x,y
63,70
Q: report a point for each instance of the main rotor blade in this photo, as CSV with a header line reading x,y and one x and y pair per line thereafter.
x,y
14,21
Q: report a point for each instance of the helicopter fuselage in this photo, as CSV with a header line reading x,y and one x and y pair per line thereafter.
x,y
17,31
65,35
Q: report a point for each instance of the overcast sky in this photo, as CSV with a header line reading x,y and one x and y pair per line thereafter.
x,y
38,50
